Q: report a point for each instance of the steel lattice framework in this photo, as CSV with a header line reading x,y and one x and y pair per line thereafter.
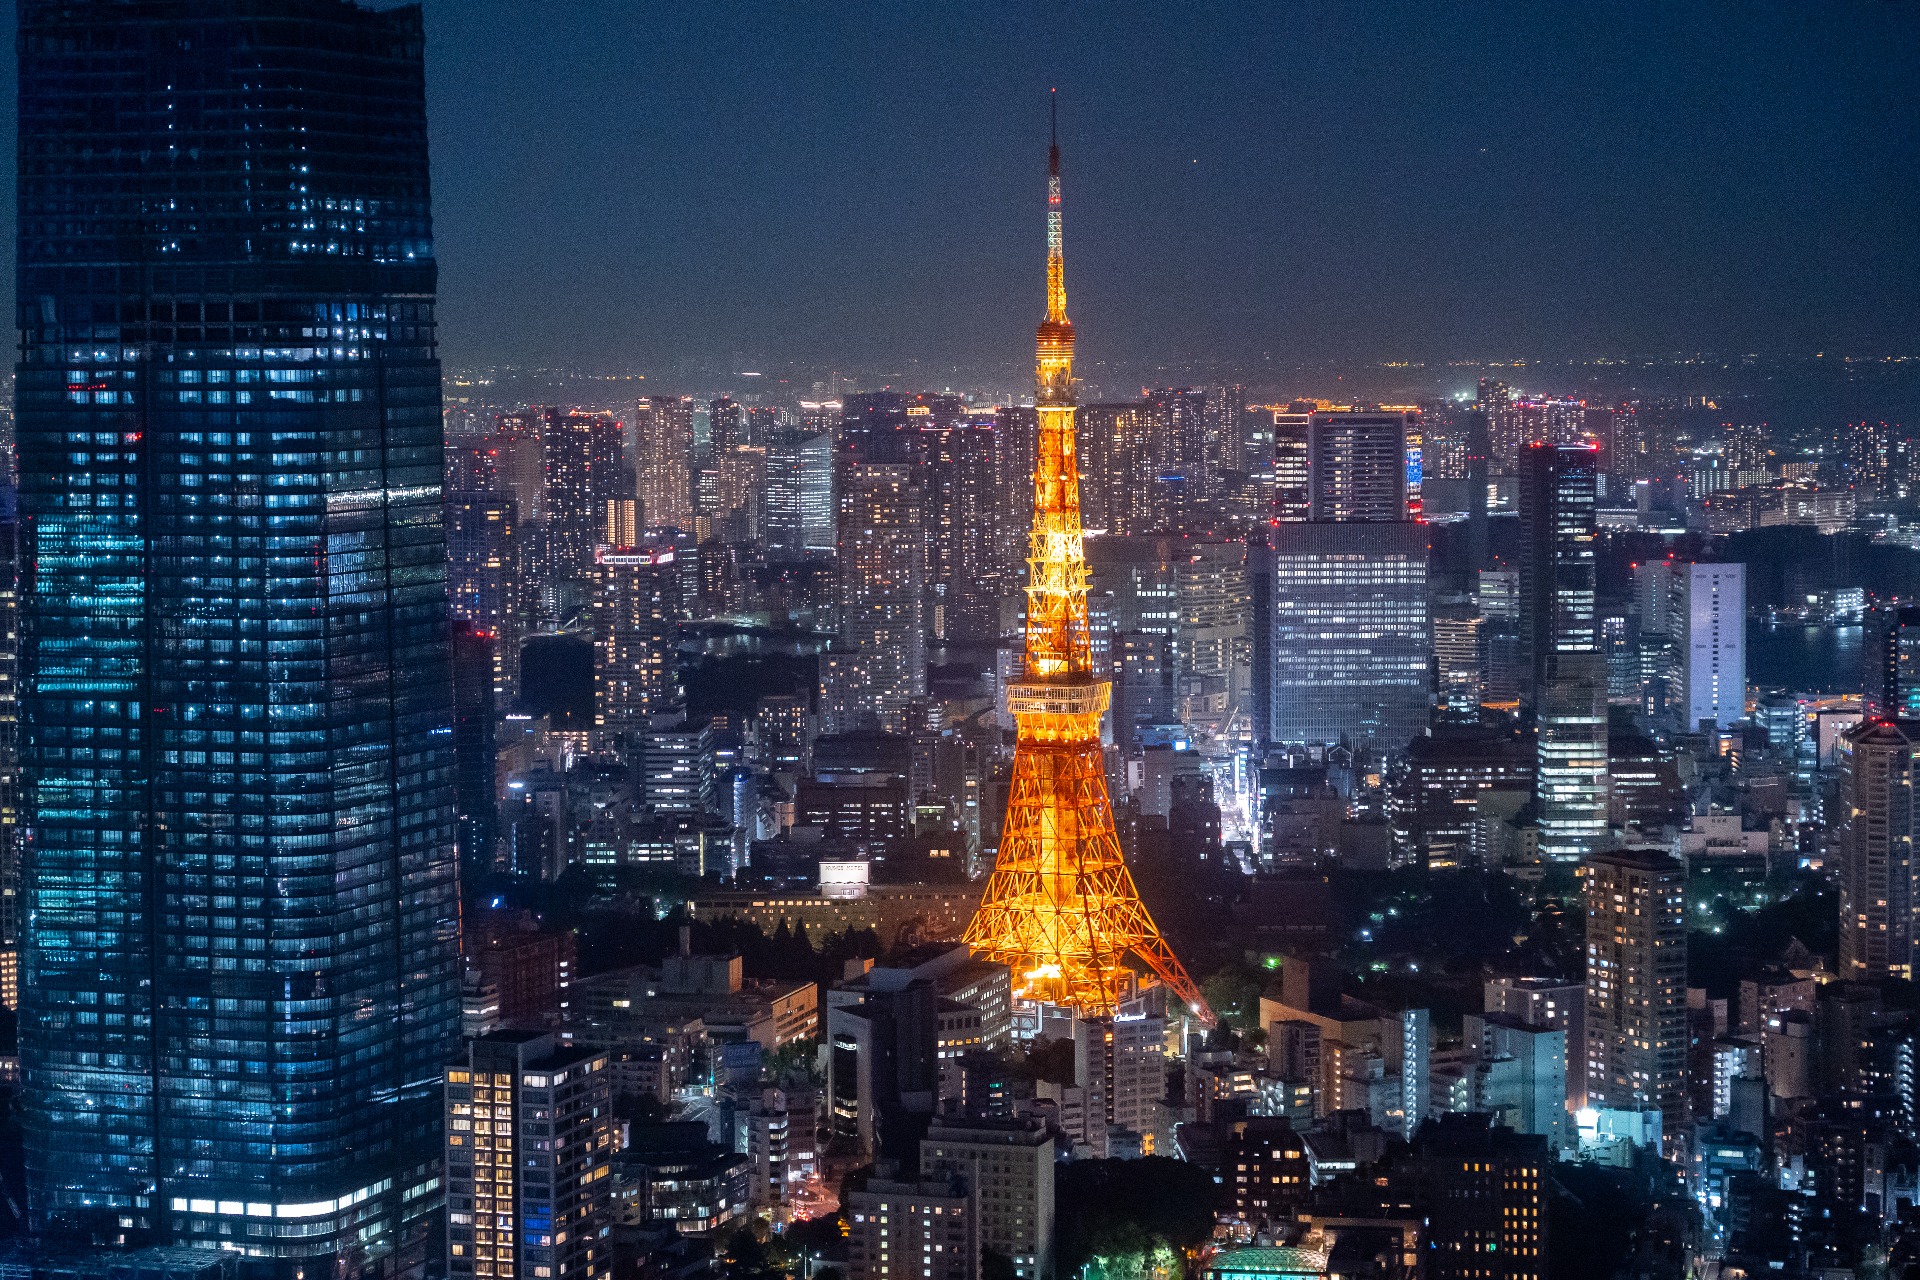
x,y
1061,909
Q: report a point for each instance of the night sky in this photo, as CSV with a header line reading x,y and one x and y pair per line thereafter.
x,y
623,184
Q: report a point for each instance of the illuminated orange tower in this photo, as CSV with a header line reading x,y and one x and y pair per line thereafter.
x,y
1060,909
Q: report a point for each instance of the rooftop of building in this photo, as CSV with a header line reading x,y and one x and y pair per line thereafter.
x,y
530,1050
1541,984
651,982
1022,1132
1269,1260
1641,857
1475,1133
1884,731
57,1260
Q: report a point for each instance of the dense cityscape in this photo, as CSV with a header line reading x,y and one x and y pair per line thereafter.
x,y
1408,819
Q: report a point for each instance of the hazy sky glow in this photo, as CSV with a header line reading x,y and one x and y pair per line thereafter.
x,y
623,183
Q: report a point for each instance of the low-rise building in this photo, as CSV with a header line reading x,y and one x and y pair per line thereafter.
x,y
671,1176
938,912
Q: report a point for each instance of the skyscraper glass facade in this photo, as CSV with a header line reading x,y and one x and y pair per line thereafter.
x,y
1561,631
240,966
1350,633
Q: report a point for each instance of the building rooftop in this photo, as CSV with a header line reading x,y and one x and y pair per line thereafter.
x,y
1269,1260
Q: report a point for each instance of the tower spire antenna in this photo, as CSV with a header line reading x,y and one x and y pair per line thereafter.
x,y
1056,254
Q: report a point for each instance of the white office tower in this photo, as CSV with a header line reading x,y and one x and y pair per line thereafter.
x,y
1710,645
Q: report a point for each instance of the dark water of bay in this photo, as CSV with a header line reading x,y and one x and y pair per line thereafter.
x,y
1803,659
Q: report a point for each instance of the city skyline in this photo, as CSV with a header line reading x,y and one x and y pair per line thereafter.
x,y
1206,815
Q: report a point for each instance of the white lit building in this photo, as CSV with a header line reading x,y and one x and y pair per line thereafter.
x,y
1710,647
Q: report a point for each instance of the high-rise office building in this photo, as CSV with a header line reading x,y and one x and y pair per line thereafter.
x,y
1178,478
1636,1024
662,440
1459,674
740,489
1476,460
1559,633
798,514
1557,565
636,604
1709,682
10,832
1224,429
529,1138
1653,596
1873,846
726,425
1747,451
474,750
1292,472
1350,637
1117,463
473,465
1357,465
1192,592
1495,400
522,460
1893,662
1260,633
586,467
881,597
883,1068
961,510
240,971
875,427
1570,716
484,582
1433,800
622,527
1016,441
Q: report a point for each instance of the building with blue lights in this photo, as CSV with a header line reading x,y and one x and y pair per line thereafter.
x,y
240,964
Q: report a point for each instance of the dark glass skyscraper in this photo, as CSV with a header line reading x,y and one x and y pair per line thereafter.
x,y
240,966
1557,487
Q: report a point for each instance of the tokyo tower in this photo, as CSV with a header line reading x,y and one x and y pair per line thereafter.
x,y
1060,909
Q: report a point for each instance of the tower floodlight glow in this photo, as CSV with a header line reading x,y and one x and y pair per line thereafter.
x,y
1061,909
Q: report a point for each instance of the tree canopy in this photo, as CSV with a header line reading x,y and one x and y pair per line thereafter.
x,y
1130,1209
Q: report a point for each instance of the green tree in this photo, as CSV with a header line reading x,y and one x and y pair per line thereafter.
x,y
1129,1210
1233,992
